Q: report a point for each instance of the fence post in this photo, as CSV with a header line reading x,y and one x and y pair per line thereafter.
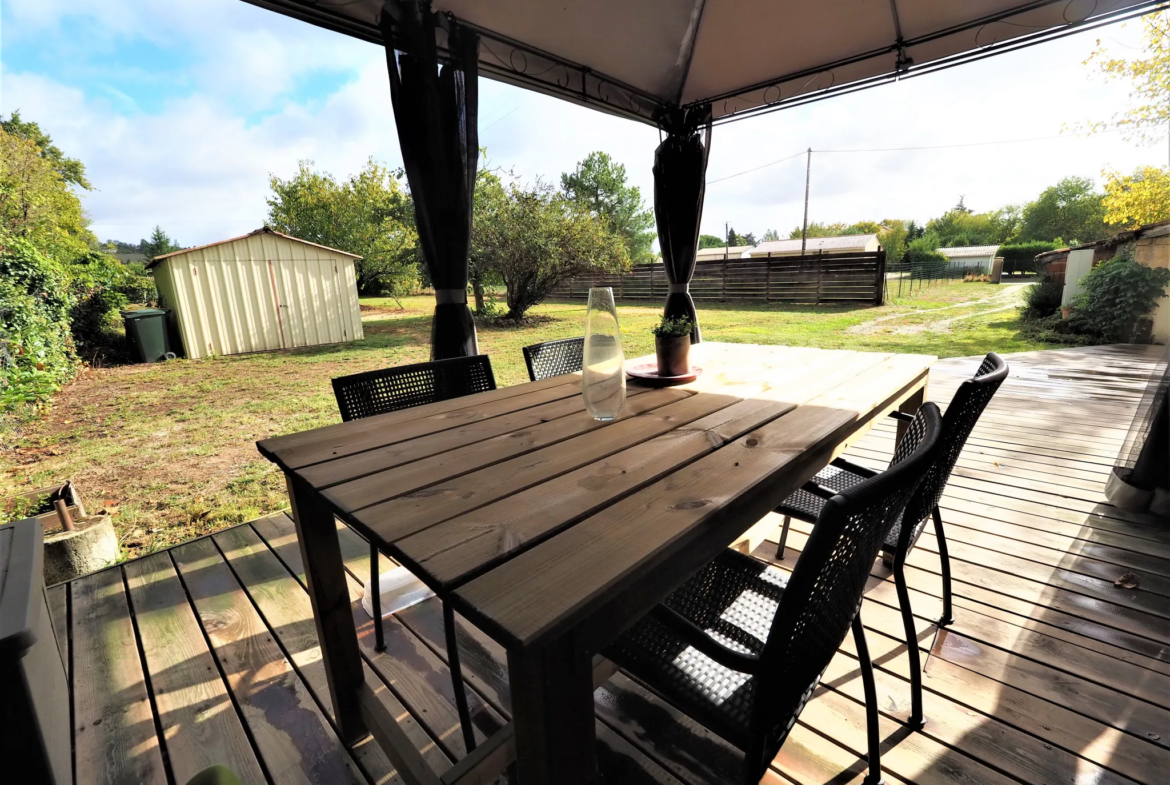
x,y
768,278
819,274
723,283
880,281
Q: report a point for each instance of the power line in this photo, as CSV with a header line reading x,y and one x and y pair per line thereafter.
x,y
756,168
963,144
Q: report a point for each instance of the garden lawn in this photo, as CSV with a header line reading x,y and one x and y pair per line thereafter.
x,y
169,449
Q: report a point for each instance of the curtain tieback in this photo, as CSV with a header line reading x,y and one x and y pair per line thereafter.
x,y
451,296
678,288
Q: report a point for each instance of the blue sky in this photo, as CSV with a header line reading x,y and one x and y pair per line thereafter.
x,y
181,110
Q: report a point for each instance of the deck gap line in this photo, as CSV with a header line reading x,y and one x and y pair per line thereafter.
x,y
219,669
166,758
69,680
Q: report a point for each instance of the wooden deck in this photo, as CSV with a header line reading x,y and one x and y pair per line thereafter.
x,y
207,653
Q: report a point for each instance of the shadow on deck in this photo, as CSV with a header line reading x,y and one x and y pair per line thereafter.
x,y
207,653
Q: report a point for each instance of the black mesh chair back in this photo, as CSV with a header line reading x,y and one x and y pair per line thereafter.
x,y
824,594
963,412
390,389
552,358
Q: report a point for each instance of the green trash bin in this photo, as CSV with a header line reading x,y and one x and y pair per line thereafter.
x,y
146,330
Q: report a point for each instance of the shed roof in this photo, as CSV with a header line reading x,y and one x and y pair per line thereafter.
x,y
847,242
261,230
965,251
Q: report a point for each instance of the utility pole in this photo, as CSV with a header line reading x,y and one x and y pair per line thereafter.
x,y
726,241
804,228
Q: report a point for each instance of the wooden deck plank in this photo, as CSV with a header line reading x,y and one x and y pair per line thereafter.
x,y
297,742
200,726
285,606
114,735
59,610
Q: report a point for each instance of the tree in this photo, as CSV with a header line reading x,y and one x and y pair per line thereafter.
x,y
370,214
770,236
864,227
1140,198
159,244
960,226
537,238
37,204
490,200
817,229
747,239
710,241
71,170
893,236
600,183
1071,210
1149,79
961,207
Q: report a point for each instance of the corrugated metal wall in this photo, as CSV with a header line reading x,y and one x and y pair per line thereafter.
x,y
259,293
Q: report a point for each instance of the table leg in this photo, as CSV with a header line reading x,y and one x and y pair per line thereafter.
x,y
552,712
325,575
911,406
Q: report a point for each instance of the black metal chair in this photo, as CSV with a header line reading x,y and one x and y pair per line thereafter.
x,y
552,358
741,648
963,412
388,390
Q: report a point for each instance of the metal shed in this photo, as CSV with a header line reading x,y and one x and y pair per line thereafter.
x,y
259,292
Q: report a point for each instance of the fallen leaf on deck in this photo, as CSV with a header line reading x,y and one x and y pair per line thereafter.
x,y
1127,581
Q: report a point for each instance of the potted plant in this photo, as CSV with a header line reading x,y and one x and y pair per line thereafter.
x,y
672,344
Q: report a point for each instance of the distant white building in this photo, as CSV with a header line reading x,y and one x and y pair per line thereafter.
x,y
971,256
850,243
721,253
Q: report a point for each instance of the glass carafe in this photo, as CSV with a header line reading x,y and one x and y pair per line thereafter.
x,y
603,372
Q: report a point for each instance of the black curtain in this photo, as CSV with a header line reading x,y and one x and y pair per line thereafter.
x,y
1141,478
680,184
436,115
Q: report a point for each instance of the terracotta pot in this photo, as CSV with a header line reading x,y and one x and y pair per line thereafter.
x,y
674,355
1065,311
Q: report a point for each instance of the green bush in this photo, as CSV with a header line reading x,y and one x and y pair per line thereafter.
x,y
1041,300
923,258
36,348
101,287
1113,296
1021,258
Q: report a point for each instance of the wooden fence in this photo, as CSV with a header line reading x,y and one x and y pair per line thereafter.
x,y
813,279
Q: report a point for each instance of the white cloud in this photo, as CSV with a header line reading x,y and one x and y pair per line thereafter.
x,y
199,165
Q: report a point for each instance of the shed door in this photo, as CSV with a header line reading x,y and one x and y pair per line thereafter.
x,y
279,306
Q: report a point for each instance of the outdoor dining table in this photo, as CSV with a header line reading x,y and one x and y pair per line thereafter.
x,y
553,532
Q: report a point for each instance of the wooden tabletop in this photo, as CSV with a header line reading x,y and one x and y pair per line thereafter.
x,y
528,512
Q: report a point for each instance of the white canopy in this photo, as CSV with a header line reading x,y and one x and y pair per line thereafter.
x,y
643,58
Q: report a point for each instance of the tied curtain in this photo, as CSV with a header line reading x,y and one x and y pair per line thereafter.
x,y
435,111
680,185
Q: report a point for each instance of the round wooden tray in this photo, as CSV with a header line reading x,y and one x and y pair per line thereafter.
x,y
648,373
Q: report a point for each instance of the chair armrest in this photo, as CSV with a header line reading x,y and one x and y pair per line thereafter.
x,y
902,416
816,489
685,629
856,468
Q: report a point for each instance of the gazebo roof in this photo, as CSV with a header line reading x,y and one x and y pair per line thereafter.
x,y
643,58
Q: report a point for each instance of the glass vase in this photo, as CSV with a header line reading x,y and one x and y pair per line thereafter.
x,y
603,370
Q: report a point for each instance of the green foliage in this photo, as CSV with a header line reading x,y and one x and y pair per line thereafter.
x,y
770,235
159,244
1070,209
818,229
490,199
36,350
535,238
36,202
100,288
893,237
1041,300
673,327
923,257
710,241
600,184
71,170
370,214
960,226
1021,257
1113,295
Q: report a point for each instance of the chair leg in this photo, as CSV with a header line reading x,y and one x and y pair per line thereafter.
x,y
874,777
457,677
916,721
783,538
376,600
948,616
